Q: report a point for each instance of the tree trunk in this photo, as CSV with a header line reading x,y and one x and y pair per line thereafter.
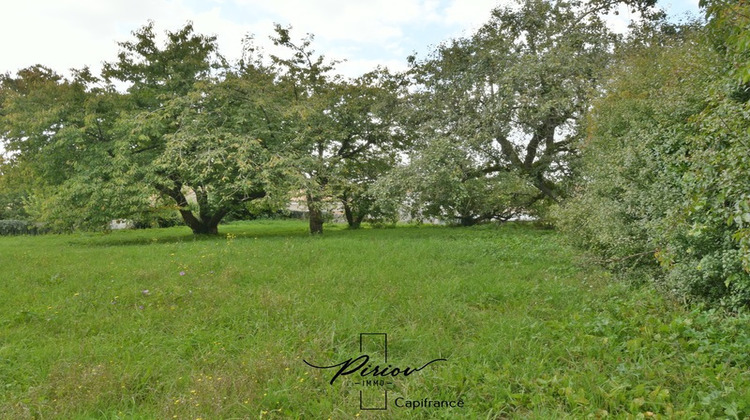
x,y
206,223
357,221
348,213
469,220
353,221
205,229
316,215
200,226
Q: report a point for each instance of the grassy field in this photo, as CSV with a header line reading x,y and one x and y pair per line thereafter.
x,y
158,324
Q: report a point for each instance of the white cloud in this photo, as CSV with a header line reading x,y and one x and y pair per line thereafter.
x,y
678,8
362,66
67,34
72,33
470,14
371,22
619,22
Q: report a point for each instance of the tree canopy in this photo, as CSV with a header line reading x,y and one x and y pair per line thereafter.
x,y
189,128
347,132
496,115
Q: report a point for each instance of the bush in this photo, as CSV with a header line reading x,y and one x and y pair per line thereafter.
x,y
18,227
663,185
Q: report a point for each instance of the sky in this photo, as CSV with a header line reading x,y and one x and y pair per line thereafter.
x,y
65,34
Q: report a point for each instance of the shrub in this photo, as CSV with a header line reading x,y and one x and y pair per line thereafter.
x,y
664,173
18,227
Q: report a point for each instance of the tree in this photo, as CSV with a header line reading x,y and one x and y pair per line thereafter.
x,y
364,131
631,164
346,134
190,129
720,160
56,129
440,182
511,97
223,149
157,143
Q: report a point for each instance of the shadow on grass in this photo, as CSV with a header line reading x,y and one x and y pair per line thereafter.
x,y
276,229
239,230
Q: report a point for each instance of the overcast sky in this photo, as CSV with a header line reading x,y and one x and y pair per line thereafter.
x,y
64,34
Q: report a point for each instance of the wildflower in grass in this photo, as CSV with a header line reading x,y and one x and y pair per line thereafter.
x,y
145,292
182,273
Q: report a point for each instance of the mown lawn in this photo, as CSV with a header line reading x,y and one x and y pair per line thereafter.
x,y
158,324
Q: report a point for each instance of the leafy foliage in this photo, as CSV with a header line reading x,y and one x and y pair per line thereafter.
x,y
441,182
190,128
664,170
18,227
729,22
719,212
347,133
510,99
58,132
197,131
13,191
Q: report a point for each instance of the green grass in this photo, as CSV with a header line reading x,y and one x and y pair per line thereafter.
x,y
159,324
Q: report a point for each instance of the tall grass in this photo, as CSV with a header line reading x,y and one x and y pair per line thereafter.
x,y
161,324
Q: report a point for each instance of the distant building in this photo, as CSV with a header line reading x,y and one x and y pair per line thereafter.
x,y
118,224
